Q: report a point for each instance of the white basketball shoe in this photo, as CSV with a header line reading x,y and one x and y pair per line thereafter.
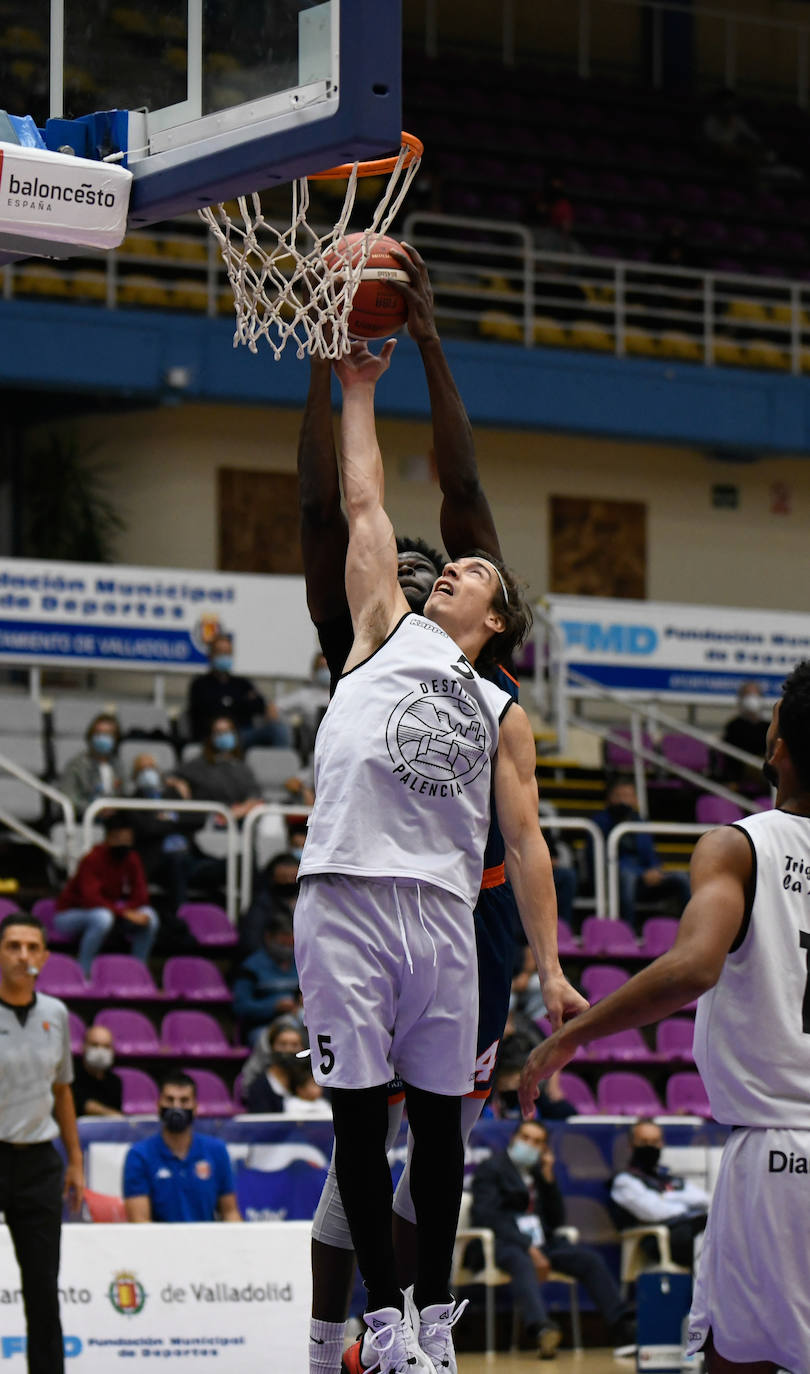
x,y
435,1327
390,1344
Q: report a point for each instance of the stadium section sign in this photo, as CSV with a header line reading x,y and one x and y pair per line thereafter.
x,y
658,647
208,1295
156,619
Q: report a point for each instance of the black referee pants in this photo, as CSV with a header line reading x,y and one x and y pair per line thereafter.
x,y
31,1198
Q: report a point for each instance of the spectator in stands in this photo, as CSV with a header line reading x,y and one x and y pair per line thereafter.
x,y
551,1104
97,1089
282,1037
747,731
732,141
220,773
286,1083
305,706
563,870
640,872
108,889
163,838
220,693
276,895
647,1193
178,1174
267,982
516,1195
95,772
554,220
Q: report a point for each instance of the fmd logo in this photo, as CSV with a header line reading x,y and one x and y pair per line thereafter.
x,y
598,637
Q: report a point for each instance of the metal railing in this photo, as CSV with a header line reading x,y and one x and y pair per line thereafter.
x,y
161,804
618,833
25,831
591,829
248,841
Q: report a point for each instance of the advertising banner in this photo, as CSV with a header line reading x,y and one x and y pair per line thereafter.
x,y
157,619
666,648
225,1297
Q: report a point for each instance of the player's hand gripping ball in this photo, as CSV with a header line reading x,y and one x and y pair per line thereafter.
x,y
378,309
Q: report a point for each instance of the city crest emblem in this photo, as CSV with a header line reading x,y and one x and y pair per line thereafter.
x,y
127,1294
439,737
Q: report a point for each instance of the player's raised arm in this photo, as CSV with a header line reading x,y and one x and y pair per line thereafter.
x,y
375,599
466,519
324,531
719,875
528,865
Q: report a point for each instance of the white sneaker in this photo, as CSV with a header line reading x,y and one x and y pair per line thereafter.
x,y
390,1342
435,1326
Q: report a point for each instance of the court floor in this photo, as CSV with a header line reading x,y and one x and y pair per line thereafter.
x,y
566,1362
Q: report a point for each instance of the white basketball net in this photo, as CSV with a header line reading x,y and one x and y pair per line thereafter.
x,y
282,286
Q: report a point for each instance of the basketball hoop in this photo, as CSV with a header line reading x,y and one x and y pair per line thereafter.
x,y
283,285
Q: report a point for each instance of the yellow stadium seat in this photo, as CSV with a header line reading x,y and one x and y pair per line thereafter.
x,y
728,353
586,334
89,285
545,330
190,295
763,353
783,314
22,40
747,310
184,249
673,344
140,245
40,279
136,290
496,324
131,21
639,342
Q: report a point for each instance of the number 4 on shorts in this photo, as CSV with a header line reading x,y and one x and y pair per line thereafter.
x,y
328,1060
485,1063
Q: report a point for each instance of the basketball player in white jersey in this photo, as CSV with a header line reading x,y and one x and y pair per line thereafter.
x,y
743,946
391,869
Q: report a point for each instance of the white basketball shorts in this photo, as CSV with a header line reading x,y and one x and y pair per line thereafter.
x,y
751,1287
389,976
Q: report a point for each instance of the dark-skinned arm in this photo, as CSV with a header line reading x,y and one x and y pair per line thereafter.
x,y
720,875
324,530
466,519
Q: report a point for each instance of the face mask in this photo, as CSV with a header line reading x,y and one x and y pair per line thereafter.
x,y
509,1100
98,1057
225,741
102,744
524,1155
284,1059
752,705
176,1119
285,891
281,953
770,774
148,780
645,1158
222,663
119,851
297,853
322,677
620,811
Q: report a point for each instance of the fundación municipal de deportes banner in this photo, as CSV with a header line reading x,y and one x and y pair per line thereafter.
x,y
660,647
157,619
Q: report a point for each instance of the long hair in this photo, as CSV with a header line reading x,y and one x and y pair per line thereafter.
x,y
514,609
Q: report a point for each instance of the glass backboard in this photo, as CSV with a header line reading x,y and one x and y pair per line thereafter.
x,y
223,96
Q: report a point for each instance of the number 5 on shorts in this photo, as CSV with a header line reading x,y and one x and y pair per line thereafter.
x,y
328,1061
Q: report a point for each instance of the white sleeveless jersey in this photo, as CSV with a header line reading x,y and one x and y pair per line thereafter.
x,y
403,765
752,1030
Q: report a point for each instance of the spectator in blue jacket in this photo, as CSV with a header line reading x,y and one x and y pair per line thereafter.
x,y
640,872
266,984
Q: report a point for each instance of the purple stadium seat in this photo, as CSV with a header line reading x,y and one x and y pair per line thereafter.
x,y
627,1094
544,1026
686,751
77,1029
588,214
208,923
578,1094
45,910
567,943
601,936
140,1092
197,1033
121,975
194,979
658,935
711,810
598,980
618,756
764,803
8,907
674,1038
686,1093
62,977
213,1098
132,1032
626,1045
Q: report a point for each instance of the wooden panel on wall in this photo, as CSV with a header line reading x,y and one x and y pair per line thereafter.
x,y
258,521
598,548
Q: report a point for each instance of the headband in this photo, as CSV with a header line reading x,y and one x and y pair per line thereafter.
x,y
497,574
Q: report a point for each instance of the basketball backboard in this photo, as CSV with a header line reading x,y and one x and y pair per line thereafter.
x,y
221,97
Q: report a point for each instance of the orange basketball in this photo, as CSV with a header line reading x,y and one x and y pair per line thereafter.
x,y
378,309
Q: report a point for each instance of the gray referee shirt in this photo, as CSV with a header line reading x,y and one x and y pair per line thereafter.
x,y
33,1057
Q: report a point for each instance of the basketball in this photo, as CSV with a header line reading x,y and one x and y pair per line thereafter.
x,y
378,310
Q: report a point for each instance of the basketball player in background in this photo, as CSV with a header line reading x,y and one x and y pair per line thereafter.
x,y
743,946
466,522
391,868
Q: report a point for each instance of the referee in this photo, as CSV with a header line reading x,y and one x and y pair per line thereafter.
x,y
36,1105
